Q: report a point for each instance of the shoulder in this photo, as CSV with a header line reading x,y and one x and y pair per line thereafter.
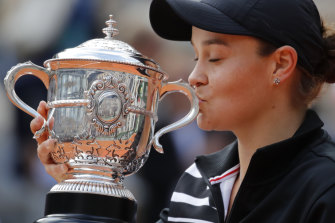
x,y
316,169
322,157
323,208
325,149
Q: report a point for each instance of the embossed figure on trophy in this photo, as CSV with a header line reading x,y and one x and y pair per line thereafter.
x,y
59,154
86,152
120,150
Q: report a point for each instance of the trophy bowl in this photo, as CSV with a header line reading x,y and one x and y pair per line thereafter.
x,y
103,97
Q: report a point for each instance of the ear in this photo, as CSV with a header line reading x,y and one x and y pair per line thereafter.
x,y
286,59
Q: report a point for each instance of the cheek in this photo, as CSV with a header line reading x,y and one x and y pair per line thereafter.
x,y
251,76
232,79
239,88
237,91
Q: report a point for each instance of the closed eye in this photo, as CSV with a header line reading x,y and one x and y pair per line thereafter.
x,y
214,60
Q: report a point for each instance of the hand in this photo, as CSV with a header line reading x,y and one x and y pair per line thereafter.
x,y
45,145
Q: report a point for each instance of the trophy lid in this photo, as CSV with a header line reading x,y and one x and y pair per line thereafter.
x,y
107,49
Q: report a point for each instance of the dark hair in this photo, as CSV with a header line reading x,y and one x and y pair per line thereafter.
x,y
310,84
326,68
265,48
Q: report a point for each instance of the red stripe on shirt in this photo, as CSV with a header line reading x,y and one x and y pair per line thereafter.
x,y
227,174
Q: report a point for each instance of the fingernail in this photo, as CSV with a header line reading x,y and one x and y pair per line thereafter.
x,y
39,118
41,102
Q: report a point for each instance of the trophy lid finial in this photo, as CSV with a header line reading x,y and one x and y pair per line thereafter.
x,y
110,30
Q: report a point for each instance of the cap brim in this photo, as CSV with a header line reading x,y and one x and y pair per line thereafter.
x,y
173,19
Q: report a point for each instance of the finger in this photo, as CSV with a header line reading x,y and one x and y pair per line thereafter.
x,y
44,151
42,138
35,125
57,171
43,109
51,123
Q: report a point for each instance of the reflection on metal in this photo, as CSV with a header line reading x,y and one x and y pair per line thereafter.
x,y
109,107
110,30
68,103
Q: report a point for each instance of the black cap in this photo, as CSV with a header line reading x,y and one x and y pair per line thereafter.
x,y
281,22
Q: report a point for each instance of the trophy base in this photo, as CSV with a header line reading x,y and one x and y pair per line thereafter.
x,y
76,218
85,207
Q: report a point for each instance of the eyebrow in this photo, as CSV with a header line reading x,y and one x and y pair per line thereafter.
x,y
214,41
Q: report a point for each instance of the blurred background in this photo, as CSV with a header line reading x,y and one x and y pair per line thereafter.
x,y
35,30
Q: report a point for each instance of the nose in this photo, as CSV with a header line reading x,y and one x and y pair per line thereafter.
x,y
198,76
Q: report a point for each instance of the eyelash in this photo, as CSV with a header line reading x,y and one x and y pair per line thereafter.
x,y
214,60
210,60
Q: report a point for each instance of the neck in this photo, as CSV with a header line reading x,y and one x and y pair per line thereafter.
x,y
275,126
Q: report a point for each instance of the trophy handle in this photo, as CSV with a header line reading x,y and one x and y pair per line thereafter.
x,y
185,88
27,68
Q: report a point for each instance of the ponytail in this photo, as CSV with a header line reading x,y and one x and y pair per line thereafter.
x,y
310,84
326,68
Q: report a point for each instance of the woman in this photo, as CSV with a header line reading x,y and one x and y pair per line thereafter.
x,y
260,63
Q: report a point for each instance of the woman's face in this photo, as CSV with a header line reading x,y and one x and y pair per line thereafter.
x,y
233,83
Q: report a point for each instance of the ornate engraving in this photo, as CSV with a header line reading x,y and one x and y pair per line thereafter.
x,y
86,152
59,155
99,152
120,151
108,99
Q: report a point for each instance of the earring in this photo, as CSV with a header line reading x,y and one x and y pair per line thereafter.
x,y
276,81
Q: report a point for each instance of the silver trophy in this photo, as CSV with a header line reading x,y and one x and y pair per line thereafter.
x,y
103,96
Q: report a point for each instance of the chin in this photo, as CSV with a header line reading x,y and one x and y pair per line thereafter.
x,y
202,124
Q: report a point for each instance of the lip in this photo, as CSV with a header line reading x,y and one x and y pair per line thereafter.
x,y
201,100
